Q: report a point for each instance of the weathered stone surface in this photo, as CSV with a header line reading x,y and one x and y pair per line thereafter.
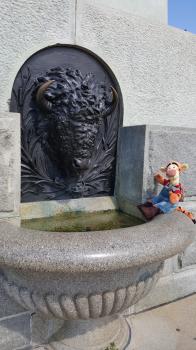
x,y
170,266
14,326
30,25
128,206
42,329
173,143
169,288
82,299
153,10
50,208
15,219
154,64
151,333
170,327
15,331
8,306
9,164
91,334
96,335
188,257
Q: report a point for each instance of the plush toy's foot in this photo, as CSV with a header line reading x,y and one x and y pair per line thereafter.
x,y
149,212
187,213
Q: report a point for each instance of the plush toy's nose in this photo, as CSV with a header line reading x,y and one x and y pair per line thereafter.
x,y
171,172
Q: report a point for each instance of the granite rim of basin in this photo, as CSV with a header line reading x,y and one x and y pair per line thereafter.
x,y
88,278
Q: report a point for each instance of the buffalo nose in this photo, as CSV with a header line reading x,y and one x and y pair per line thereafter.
x,y
81,164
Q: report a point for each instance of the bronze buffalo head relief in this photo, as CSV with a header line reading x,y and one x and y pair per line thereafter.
x,y
74,106
70,115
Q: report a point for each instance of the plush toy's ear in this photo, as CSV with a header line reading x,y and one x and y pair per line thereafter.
x,y
184,166
163,169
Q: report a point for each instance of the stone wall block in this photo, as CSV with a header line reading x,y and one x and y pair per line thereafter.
x,y
153,10
167,144
30,26
130,163
9,164
155,64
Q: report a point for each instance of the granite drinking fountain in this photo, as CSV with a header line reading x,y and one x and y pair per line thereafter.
x,y
70,120
88,278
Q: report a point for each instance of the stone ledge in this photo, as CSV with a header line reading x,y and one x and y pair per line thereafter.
x,y
135,49
49,208
12,219
169,288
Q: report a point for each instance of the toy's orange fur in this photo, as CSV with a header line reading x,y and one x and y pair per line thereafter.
x,y
174,197
159,179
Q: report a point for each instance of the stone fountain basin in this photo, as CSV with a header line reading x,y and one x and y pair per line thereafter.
x,y
84,275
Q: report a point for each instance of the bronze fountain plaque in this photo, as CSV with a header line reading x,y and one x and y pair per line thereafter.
x,y
71,108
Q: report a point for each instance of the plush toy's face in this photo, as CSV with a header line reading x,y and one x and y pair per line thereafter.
x,y
172,170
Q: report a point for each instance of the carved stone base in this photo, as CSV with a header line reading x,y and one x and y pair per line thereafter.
x,y
91,334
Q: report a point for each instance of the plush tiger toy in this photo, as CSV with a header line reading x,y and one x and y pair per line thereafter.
x,y
168,199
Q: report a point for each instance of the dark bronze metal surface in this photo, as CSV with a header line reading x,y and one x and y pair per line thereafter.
x,y
70,107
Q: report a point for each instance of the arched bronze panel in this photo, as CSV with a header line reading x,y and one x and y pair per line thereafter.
x,y
71,109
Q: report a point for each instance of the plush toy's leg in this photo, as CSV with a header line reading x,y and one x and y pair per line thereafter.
x,y
187,213
149,212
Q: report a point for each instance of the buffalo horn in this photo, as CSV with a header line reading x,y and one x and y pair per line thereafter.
x,y
113,104
40,99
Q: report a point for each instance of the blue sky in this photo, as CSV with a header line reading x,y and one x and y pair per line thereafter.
x,y
182,14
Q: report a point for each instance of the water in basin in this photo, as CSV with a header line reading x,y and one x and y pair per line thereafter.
x,y
81,221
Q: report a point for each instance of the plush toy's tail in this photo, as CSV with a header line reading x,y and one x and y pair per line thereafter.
x,y
187,213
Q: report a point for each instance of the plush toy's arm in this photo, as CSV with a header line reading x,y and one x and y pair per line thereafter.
x,y
174,197
160,179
